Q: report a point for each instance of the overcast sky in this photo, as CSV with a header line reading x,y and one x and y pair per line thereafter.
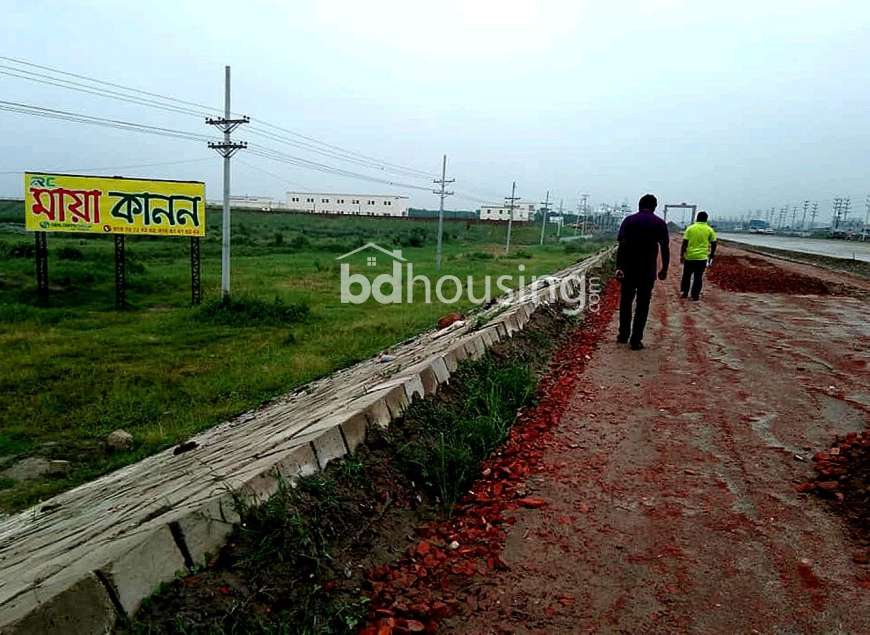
x,y
732,105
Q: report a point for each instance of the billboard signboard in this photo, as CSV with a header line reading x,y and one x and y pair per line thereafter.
x,y
113,205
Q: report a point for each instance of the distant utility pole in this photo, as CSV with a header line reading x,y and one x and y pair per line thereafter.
x,y
512,201
782,212
442,193
847,207
585,204
561,218
770,214
794,211
804,217
866,218
813,213
546,209
226,149
837,210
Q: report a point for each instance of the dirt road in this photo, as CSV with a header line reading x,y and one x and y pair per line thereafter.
x,y
670,480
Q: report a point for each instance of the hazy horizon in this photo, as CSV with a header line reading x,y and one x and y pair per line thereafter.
x,y
734,108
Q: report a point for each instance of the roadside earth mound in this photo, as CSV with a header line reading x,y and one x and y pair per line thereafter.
x,y
844,480
756,275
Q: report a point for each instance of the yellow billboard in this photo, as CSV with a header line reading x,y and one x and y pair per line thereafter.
x,y
113,205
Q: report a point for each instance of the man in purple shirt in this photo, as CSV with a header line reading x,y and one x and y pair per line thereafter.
x,y
640,237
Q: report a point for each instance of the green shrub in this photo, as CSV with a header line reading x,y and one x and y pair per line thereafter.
x,y
479,255
457,434
70,253
253,312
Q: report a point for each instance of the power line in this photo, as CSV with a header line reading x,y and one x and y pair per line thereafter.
x,y
115,167
256,149
331,150
100,92
65,115
277,177
276,155
335,155
421,173
105,83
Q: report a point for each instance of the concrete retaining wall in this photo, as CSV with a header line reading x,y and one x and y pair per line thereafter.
x,y
88,557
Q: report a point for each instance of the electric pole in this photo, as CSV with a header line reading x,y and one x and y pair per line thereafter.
x,y
847,207
512,200
585,204
813,213
782,212
794,211
838,208
546,210
866,218
804,217
226,149
442,192
561,219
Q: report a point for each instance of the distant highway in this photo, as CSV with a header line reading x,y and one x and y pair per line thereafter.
x,y
850,249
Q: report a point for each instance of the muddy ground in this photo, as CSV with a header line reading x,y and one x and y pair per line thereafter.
x,y
664,494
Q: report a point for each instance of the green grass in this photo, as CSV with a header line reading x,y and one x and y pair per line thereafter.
x,y
454,436
163,370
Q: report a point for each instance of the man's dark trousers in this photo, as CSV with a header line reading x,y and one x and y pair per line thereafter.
x,y
693,273
640,288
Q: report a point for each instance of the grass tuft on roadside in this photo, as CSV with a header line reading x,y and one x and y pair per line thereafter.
x,y
455,435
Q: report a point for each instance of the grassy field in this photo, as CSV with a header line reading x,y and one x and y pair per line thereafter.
x,y
75,370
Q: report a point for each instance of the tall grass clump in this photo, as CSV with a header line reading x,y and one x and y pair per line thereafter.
x,y
456,434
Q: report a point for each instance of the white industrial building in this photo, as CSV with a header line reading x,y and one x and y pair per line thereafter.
x,y
348,204
263,203
523,212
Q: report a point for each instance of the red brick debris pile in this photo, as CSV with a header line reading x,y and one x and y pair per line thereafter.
x,y
844,479
755,275
425,586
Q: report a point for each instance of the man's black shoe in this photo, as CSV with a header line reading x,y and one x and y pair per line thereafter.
x,y
637,346
621,340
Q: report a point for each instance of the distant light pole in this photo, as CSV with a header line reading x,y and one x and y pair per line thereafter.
x,y
442,193
512,199
546,210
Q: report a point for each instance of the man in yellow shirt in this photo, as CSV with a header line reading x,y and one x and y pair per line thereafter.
x,y
696,254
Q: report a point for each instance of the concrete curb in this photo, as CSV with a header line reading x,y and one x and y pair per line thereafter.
x,y
87,558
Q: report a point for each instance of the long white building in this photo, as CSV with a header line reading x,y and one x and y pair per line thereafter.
x,y
523,212
348,204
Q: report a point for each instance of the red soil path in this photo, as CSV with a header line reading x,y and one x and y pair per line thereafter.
x,y
657,491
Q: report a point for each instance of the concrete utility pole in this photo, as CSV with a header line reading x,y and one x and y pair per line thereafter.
x,y
546,209
847,207
512,200
866,218
837,210
226,149
561,218
441,193
813,213
585,205
804,217
782,212
794,211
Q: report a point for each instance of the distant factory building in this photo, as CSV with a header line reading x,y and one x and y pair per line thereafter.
x,y
348,204
262,203
523,212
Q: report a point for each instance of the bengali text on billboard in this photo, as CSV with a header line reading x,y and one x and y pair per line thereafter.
x,y
113,205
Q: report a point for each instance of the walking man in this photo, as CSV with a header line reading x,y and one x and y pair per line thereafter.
x,y
641,236
696,254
